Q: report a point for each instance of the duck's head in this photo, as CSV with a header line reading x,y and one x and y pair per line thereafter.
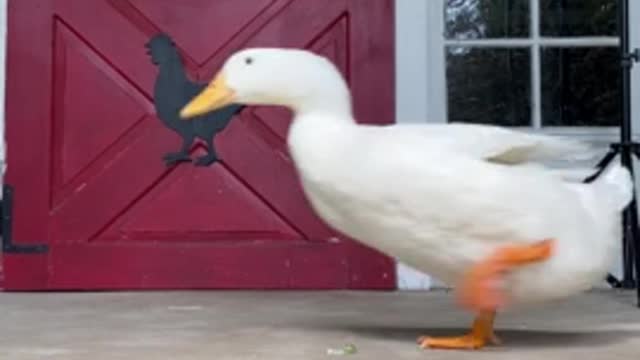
x,y
298,79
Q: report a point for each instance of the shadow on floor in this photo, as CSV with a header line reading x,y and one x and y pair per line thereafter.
x,y
511,338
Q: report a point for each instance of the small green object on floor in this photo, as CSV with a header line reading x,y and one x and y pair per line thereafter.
x,y
348,349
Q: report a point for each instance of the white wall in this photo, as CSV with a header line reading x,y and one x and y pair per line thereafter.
x,y
413,93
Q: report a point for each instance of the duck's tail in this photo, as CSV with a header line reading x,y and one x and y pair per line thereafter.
x,y
615,186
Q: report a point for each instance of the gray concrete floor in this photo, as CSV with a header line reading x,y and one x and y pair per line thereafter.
x,y
297,325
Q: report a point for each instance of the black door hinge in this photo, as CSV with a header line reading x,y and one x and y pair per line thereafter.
x,y
6,220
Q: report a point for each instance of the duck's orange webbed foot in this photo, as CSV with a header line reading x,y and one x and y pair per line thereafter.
x,y
479,290
481,335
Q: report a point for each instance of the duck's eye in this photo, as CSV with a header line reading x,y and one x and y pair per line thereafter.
x,y
248,61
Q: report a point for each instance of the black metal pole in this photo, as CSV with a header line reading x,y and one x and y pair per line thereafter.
x,y
630,214
631,245
626,148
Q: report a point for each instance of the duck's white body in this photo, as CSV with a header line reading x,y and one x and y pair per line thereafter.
x,y
443,197
438,197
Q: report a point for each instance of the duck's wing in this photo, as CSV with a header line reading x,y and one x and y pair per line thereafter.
x,y
502,145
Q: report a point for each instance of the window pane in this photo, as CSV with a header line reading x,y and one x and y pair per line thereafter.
x,y
578,17
490,86
580,87
479,19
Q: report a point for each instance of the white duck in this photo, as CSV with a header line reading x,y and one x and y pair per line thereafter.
x,y
468,204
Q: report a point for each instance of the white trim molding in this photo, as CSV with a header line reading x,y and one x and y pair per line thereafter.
x,y
415,100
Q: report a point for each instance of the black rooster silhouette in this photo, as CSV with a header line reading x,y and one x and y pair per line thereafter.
x,y
172,91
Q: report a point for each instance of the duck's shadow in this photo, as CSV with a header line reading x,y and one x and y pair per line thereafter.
x,y
511,338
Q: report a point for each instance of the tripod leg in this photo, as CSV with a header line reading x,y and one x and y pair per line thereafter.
x,y
613,281
630,225
630,228
606,160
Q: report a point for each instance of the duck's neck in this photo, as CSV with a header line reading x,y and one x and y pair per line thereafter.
x,y
318,134
334,108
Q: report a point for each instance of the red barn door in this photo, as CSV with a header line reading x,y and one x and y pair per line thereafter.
x,y
92,204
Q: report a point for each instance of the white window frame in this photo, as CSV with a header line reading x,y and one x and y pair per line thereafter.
x,y
436,75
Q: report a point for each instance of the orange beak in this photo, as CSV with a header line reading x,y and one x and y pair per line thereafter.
x,y
215,96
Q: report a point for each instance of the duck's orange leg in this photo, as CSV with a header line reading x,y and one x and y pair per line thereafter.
x,y
481,334
478,291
